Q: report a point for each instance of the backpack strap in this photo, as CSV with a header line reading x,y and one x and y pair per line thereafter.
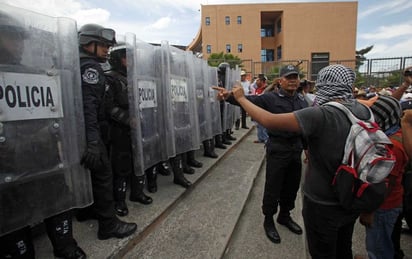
x,y
349,114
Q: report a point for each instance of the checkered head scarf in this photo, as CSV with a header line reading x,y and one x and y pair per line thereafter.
x,y
387,112
334,82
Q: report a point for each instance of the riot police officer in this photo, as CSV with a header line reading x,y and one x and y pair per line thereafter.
x,y
94,43
117,107
18,195
223,139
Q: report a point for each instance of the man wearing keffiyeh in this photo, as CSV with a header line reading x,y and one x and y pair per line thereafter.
x,y
334,83
328,226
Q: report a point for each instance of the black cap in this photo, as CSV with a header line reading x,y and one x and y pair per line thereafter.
x,y
289,70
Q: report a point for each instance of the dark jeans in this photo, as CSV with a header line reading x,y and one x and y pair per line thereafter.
x,y
329,230
283,172
243,117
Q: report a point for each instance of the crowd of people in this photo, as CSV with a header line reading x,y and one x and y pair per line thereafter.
x,y
290,118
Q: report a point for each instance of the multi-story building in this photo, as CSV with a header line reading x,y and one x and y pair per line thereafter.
x,y
317,33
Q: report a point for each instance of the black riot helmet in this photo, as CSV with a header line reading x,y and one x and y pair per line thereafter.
x,y
222,67
115,57
12,36
96,33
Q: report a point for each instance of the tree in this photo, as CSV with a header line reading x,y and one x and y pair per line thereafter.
x,y
360,59
216,58
360,56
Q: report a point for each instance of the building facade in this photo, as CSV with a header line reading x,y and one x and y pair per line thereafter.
x,y
279,32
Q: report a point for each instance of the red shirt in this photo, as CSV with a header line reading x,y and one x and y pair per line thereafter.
x,y
394,199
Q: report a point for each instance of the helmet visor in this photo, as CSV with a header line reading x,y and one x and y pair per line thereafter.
x,y
104,34
108,34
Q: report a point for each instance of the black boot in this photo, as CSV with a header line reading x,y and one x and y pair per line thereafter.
x,y
225,140
60,231
165,168
186,168
219,142
191,161
115,228
178,177
151,175
119,195
237,124
136,190
229,136
208,148
17,244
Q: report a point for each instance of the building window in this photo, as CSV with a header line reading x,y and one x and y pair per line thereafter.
x,y
227,20
207,20
228,48
279,52
266,31
267,55
239,20
208,49
279,26
239,48
319,61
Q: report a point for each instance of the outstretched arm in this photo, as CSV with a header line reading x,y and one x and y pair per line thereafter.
x,y
407,81
284,121
407,132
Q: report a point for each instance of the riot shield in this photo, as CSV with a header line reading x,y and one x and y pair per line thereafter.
x,y
151,99
129,41
42,131
227,107
179,78
234,76
214,103
202,100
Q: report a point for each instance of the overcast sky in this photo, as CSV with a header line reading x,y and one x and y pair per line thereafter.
x,y
385,24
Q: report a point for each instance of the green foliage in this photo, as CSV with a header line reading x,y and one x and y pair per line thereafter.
x,y
394,79
216,58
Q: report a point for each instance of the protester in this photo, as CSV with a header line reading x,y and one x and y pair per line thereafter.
x,y
247,89
379,224
329,227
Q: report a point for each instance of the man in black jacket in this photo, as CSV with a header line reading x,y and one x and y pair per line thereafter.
x,y
283,154
94,42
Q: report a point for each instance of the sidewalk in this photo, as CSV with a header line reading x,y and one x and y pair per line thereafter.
x,y
147,217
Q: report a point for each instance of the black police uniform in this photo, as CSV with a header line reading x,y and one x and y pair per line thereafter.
x,y
93,89
283,154
117,108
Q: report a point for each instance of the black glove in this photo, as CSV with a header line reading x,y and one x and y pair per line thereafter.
x,y
91,158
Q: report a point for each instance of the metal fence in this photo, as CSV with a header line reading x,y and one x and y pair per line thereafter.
x,y
373,71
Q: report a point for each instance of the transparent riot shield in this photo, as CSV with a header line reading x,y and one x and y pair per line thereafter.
x,y
180,80
202,100
234,76
42,133
227,107
128,41
151,99
214,103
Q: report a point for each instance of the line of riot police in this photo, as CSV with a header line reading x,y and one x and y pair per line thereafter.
x,y
147,114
